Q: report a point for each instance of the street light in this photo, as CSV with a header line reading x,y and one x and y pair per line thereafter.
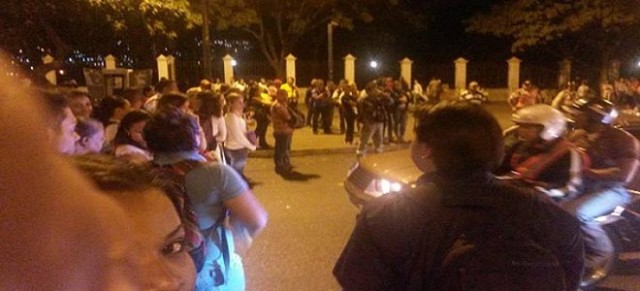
x,y
373,65
234,63
330,26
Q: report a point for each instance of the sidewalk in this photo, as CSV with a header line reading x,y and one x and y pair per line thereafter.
x,y
306,143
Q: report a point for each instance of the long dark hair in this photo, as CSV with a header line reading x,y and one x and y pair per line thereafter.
x,y
107,106
171,100
123,136
210,105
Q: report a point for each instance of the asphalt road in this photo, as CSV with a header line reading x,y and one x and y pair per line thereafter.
x,y
309,222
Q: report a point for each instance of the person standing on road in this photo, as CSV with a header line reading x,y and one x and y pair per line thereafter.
x,y
349,102
411,240
282,132
292,92
372,116
216,192
322,107
237,145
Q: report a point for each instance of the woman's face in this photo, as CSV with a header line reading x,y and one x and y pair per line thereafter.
x,y
160,238
81,106
135,132
120,112
238,104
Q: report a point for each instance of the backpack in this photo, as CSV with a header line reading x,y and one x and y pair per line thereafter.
x,y
177,173
297,118
378,111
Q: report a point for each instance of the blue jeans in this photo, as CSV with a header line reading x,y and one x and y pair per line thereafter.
x,y
400,116
598,246
371,130
238,159
282,151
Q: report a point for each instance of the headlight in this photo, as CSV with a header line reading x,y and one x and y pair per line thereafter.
x,y
385,186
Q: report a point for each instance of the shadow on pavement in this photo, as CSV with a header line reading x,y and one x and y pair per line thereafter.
x,y
297,176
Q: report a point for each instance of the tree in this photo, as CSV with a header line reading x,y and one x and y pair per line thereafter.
x,y
606,27
57,27
279,26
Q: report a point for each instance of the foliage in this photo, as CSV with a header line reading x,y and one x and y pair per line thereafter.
x,y
280,26
534,22
603,27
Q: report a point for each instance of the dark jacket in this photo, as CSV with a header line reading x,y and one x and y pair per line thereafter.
x,y
395,229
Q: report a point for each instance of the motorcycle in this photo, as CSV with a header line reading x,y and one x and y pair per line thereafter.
x,y
475,97
622,225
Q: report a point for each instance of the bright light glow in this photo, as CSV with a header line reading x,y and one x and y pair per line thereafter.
x,y
373,64
638,64
234,63
386,186
61,72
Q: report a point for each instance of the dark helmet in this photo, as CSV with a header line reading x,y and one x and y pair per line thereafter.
x,y
597,109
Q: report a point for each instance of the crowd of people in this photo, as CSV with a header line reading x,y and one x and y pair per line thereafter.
x,y
569,160
191,214
175,210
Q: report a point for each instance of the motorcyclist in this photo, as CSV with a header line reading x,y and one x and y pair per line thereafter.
x,y
541,156
474,94
523,97
614,155
566,97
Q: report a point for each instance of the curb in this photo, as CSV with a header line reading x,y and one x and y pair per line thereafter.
x,y
327,151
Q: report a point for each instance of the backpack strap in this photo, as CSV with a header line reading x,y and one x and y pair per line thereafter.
x,y
177,172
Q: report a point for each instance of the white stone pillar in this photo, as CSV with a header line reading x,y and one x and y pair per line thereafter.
x,y
110,62
50,75
228,68
291,67
163,67
461,73
350,68
171,64
514,73
564,75
405,70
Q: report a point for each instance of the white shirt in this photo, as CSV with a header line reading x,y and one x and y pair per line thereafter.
x,y
126,149
237,133
219,128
